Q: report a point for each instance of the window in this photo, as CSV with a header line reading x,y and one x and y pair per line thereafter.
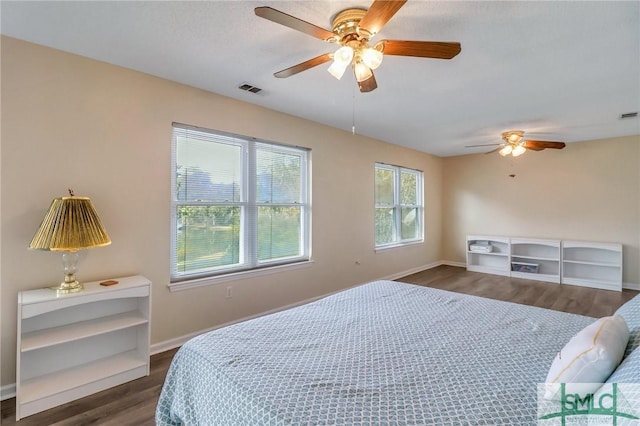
x,y
398,211
238,203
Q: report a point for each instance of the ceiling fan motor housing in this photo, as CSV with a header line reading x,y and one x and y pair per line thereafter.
x,y
513,137
353,28
346,26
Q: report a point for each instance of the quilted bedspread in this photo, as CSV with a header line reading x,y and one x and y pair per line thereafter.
x,y
384,353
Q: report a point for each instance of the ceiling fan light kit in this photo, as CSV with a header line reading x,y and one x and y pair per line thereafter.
x,y
352,29
515,151
341,60
361,71
513,136
515,144
506,150
371,56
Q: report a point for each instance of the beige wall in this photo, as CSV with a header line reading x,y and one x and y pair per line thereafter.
x,y
589,191
69,121
105,131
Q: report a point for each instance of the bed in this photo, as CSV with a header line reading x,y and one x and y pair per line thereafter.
x,y
384,353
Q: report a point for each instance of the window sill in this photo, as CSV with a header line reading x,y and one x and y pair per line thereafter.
x,y
398,245
234,276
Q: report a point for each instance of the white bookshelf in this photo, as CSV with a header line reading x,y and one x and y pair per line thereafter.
x,y
495,261
544,254
592,264
76,344
588,264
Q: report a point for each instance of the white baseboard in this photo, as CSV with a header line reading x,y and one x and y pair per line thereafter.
x,y
179,341
452,263
7,391
628,286
411,271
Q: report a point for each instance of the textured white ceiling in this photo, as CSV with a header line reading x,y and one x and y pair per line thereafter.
x,y
558,70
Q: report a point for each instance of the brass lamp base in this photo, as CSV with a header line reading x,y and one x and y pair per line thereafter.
x,y
70,284
65,287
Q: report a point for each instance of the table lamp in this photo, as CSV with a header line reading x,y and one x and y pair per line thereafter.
x,y
71,224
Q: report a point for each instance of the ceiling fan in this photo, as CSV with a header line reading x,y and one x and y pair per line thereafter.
x,y
352,29
515,144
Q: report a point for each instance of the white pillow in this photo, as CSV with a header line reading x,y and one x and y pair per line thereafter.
x,y
589,357
630,311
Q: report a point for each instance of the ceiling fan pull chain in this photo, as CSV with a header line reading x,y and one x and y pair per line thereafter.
x,y
353,112
512,171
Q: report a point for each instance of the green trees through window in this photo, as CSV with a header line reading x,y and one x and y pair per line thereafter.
x,y
398,205
238,203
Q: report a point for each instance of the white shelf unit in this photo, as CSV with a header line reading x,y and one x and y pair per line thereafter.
x,y
544,254
592,264
72,345
496,262
588,264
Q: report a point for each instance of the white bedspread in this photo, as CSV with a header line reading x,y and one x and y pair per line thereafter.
x,y
385,353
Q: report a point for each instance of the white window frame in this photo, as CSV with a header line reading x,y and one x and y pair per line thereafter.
x,y
249,262
398,206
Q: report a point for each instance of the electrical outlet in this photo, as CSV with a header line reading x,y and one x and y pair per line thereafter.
x,y
229,293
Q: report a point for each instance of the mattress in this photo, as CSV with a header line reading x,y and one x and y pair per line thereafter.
x,y
384,353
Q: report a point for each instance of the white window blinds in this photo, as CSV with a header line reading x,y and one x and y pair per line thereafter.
x,y
398,205
238,203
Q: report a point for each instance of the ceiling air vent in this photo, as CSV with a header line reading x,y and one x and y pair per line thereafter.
x,y
628,115
249,88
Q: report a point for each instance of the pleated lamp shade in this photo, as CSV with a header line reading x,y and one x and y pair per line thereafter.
x,y
71,224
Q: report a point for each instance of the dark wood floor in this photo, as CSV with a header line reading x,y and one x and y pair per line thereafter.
x,y
566,298
134,403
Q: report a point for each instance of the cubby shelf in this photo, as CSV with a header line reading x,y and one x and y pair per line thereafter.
x,y
592,264
495,261
544,254
68,333
589,264
62,383
73,345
